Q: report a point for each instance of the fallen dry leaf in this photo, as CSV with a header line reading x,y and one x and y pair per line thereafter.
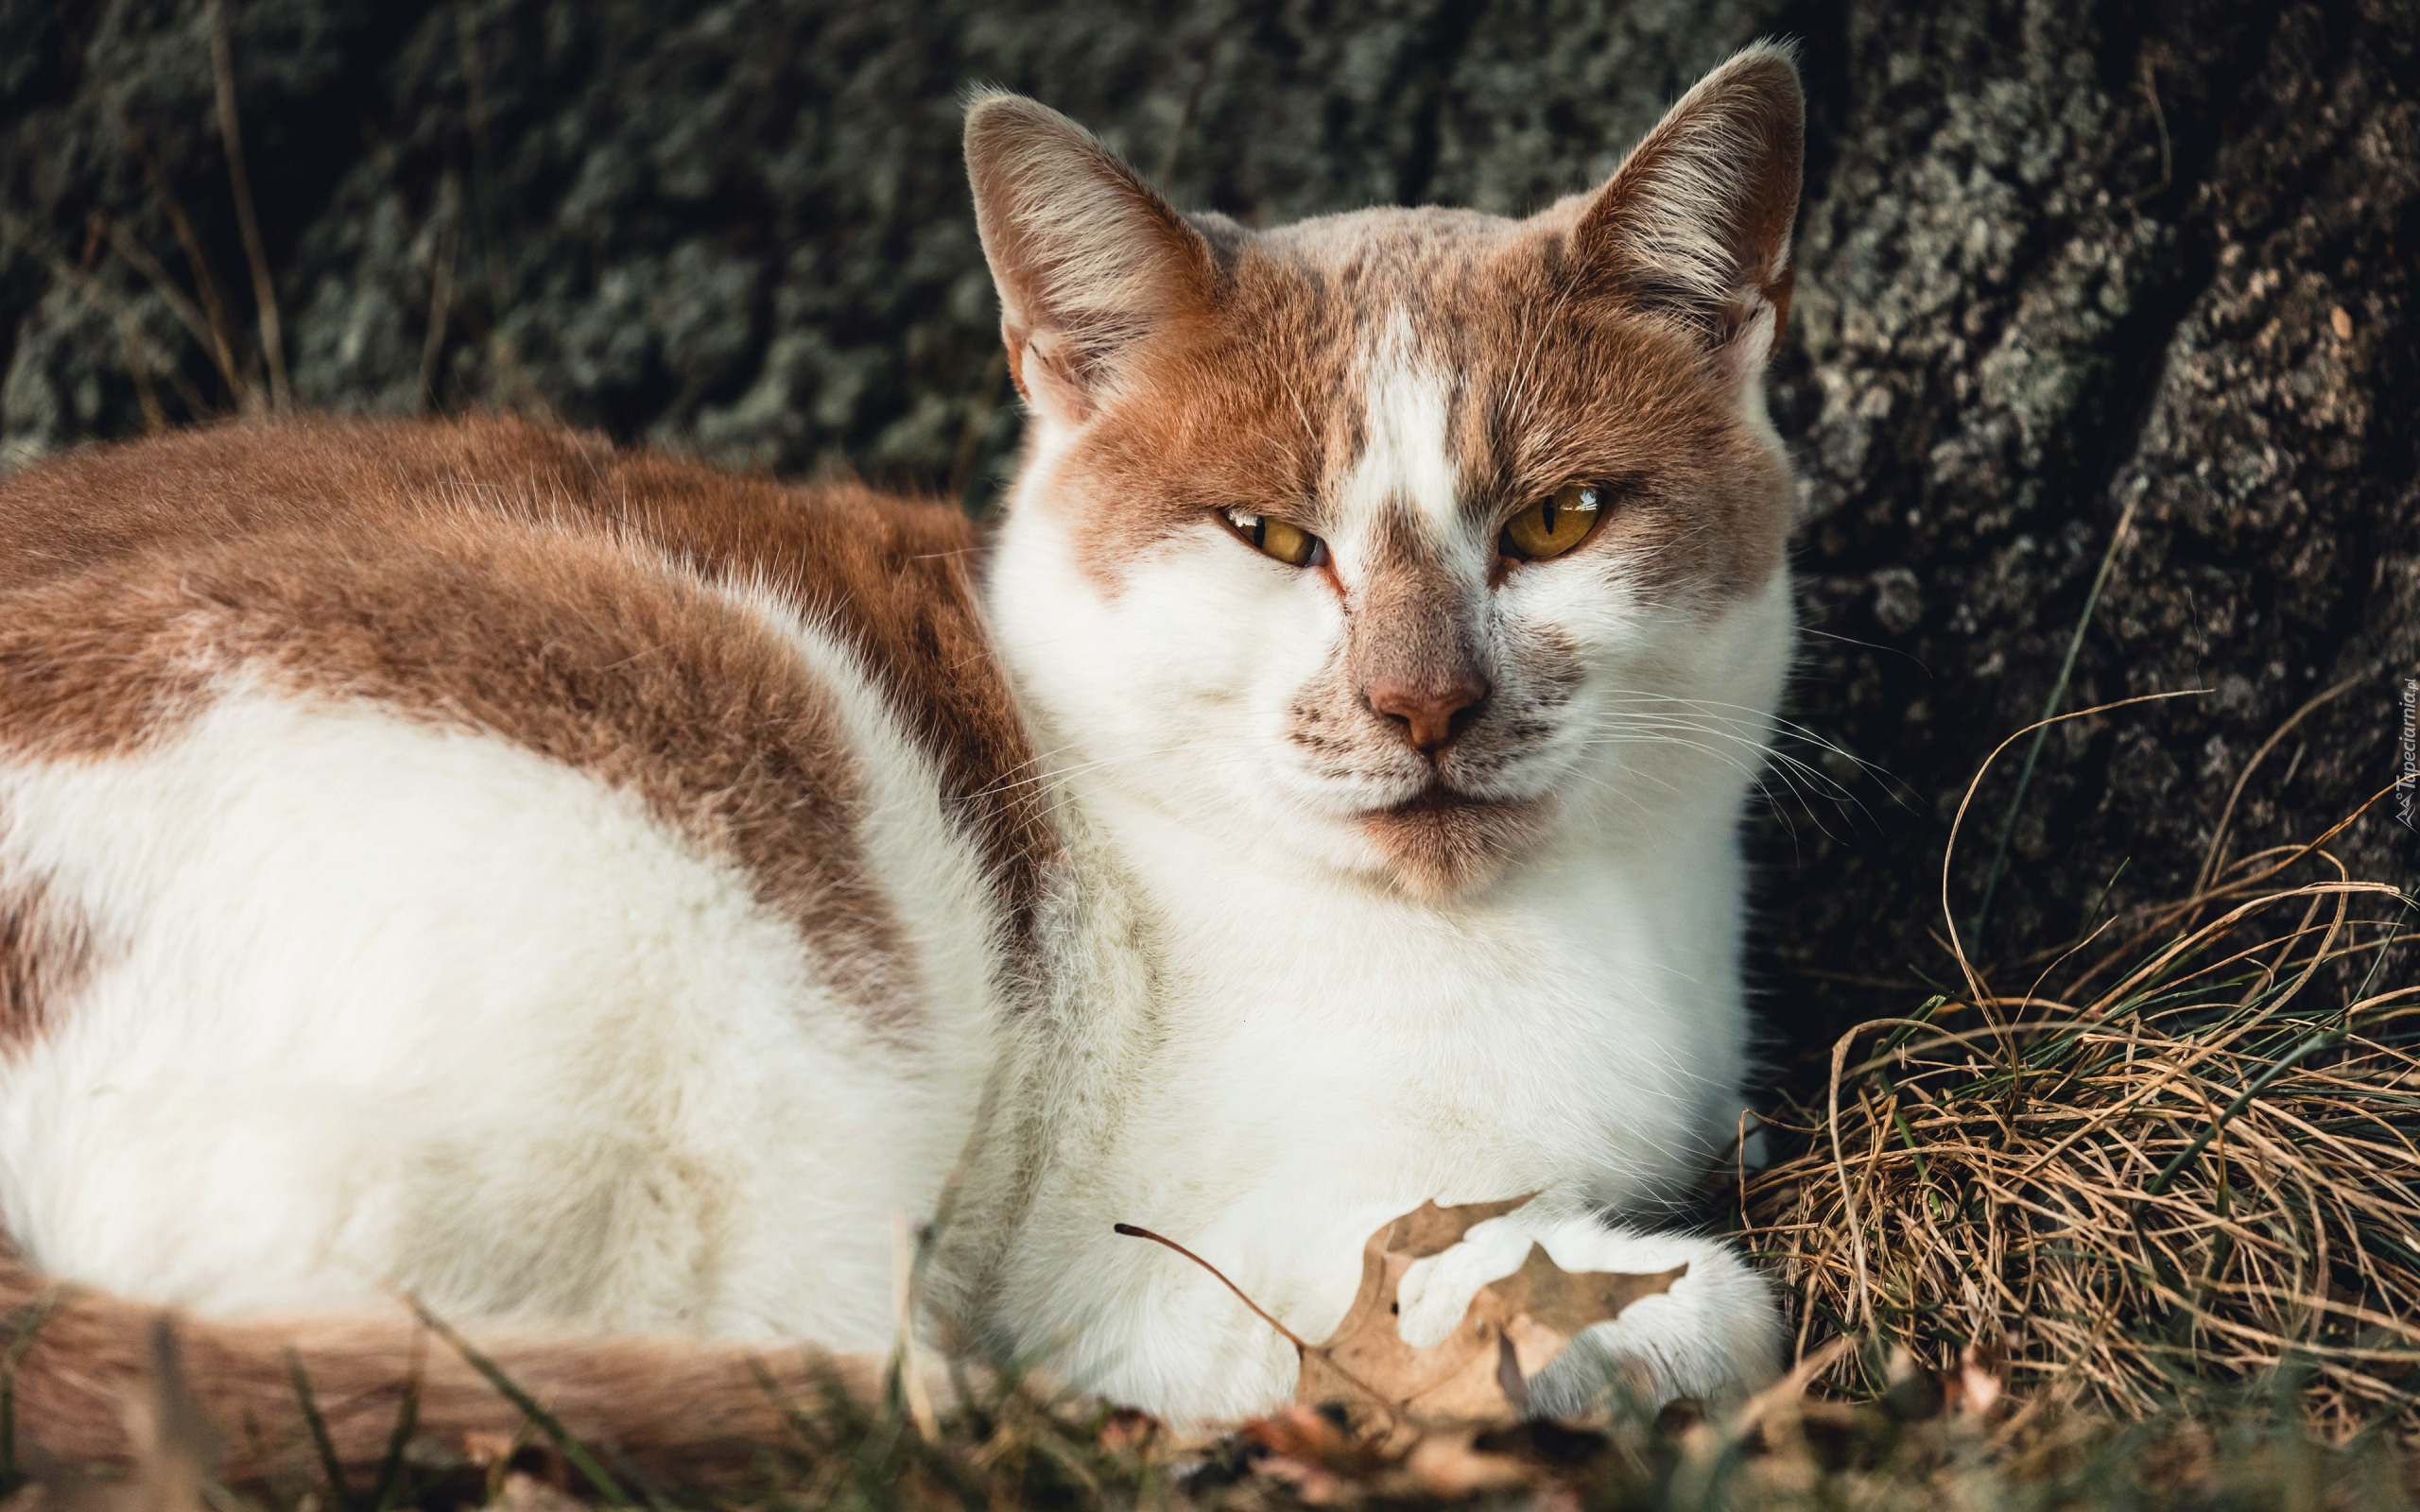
x,y
1328,1465
1128,1429
1320,1460
1411,1414
527,1493
1301,1433
487,1449
1480,1373
1447,1462
1982,1380
1969,1391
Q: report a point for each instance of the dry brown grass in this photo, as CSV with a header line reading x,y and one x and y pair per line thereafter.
x,y
2177,1159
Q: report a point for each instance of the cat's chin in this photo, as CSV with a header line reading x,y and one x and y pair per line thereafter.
x,y
1441,844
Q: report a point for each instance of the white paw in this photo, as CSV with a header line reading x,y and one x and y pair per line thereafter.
x,y
1715,1335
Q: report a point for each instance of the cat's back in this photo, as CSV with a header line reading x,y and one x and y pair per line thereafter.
x,y
406,801
623,611
440,534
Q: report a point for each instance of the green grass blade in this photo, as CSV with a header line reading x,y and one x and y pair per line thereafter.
x,y
339,1499
574,1452
29,1324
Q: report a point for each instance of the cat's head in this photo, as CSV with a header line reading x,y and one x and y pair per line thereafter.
x,y
1407,540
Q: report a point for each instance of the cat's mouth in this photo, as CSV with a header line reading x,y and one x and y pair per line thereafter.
x,y
1442,840
1439,797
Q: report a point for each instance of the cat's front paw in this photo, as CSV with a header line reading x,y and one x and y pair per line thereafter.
x,y
1715,1335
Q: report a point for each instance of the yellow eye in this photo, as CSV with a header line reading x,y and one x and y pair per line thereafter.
x,y
1556,524
1292,544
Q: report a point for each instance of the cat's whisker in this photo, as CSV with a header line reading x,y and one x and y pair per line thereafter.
x,y
1758,716
1794,730
1786,770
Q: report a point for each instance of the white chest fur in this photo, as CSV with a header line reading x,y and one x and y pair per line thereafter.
x,y
1297,1060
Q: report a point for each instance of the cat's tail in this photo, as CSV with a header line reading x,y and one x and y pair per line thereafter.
x,y
90,1378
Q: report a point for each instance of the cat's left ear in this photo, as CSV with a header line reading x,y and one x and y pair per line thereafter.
x,y
1694,227
1089,262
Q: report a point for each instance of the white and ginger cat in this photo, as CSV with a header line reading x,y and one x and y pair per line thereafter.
x,y
595,894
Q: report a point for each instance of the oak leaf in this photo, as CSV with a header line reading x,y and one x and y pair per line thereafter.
x,y
1480,1373
1401,1398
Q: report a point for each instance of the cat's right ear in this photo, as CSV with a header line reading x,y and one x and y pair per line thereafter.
x,y
1088,261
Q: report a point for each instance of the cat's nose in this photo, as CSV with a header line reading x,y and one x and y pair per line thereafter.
x,y
1431,713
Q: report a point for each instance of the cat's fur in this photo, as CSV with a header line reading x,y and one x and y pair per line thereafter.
x,y
597,894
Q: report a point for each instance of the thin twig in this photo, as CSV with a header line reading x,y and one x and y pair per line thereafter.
x,y
441,291
144,263
153,421
2037,728
903,1281
1135,1231
214,303
1302,1346
521,390
2148,82
230,136
2214,857
2050,706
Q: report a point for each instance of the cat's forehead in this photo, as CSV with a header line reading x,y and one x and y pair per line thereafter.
x,y
1406,252
1451,282
1386,368
1406,354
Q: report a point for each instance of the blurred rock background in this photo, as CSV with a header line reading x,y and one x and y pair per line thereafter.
x,y
2062,267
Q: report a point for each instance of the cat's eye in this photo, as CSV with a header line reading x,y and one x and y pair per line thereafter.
x,y
1555,523
1271,537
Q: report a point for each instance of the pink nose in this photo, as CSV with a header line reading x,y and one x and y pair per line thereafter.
x,y
1428,712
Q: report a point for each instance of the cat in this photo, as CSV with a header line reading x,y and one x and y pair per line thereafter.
x,y
598,896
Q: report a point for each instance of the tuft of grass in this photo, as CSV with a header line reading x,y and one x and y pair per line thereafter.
x,y
2177,1162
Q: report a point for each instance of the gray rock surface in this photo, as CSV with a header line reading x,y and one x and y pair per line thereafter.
x,y
2061,266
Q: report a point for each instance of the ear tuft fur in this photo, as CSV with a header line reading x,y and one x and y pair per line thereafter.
x,y
1086,258
1694,225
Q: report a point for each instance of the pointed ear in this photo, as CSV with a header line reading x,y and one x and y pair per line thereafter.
x,y
1087,259
1694,226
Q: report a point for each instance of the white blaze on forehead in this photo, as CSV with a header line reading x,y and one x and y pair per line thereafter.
x,y
1403,455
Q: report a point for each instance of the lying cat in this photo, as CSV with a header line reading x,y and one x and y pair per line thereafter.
x,y
582,888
